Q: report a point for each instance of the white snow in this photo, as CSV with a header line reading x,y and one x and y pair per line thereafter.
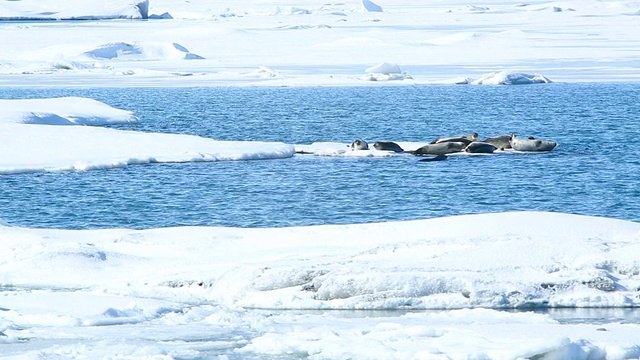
x,y
316,43
63,288
424,289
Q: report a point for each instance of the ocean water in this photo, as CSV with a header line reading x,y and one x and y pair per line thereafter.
x,y
594,170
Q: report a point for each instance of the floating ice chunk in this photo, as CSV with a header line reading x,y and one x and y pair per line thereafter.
x,y
510,78
371,6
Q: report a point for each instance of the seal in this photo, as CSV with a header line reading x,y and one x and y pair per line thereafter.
x,y
501,142
443,148
465,139
359,145
479,147
387,146
521,144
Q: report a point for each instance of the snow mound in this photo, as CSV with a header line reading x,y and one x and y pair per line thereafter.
x,y
62,111
142,51
370,6
385,71
510,78
74,10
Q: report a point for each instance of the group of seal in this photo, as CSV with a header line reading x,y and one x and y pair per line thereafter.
x,y
443,146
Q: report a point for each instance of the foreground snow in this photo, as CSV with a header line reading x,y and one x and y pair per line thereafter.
x,y
241,43
64,288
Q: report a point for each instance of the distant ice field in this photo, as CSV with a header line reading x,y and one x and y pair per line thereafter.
x,y
592,172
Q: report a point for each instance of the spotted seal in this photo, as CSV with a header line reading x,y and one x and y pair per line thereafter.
x,y
501,142
440,148
531,144
387,146
359,144
467,139
478,147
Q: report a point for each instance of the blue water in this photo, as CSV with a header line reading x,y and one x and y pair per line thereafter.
x,y
594,170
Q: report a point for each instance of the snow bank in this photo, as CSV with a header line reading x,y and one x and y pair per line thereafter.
x,y
461,334
510,260
159,289
31,148
74,10
62,111
141,51
27,146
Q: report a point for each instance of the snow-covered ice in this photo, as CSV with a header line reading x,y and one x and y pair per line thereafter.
x,y
31,139
64,290
316,43
62,111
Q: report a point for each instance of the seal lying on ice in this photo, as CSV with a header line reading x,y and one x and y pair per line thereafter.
x,y
501,142
359,145
387,146
531,144
479,147
465,139
442,148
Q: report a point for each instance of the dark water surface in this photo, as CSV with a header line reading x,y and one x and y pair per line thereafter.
x,y
594,171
